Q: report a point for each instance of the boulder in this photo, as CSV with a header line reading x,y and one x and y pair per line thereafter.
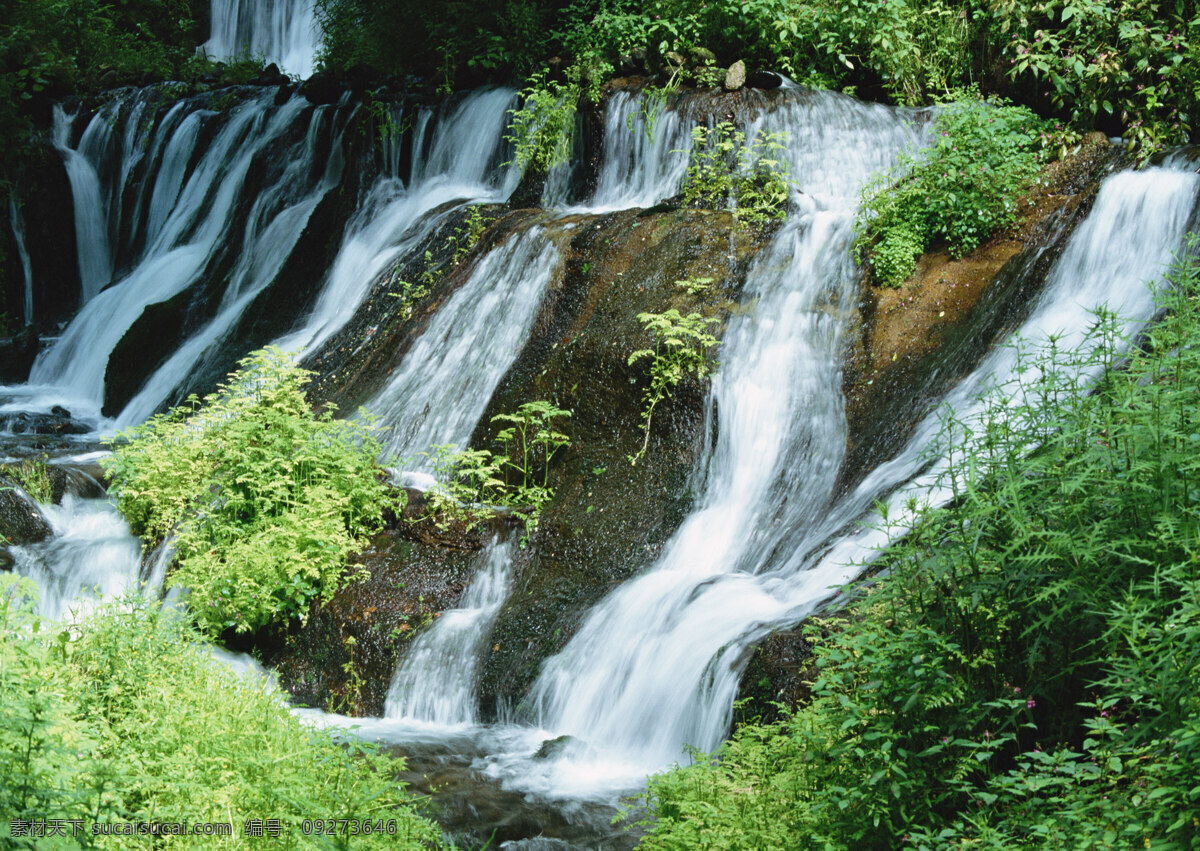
x,y
735,77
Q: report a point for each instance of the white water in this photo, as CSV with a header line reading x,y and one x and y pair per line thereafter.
x,y
91,557
446,380
656,664
91,211
281,31
186,225
461,165
18,229
436,681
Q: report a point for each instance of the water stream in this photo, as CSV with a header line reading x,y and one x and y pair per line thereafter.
x,y
655,665
281,31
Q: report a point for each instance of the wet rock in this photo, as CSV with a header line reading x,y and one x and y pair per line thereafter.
x,y
916,340
322,88
764,80
58,422
554,748
20,520
735,77
343,658
609,518
17,354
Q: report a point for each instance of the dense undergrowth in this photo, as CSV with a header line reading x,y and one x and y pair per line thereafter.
x,y
961,190
125,718
1126,67
264,499
1025,672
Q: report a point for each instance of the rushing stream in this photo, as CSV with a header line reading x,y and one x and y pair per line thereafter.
x,y
189,198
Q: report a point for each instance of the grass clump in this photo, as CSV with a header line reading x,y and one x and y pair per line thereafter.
x,y
961,190
265,498
124,717
1027,671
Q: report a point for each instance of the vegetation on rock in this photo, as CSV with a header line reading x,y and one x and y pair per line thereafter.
x,y
264,498
962,189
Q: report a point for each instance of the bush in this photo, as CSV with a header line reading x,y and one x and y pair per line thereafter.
x,y
75,742
962,189
1027,674
265,499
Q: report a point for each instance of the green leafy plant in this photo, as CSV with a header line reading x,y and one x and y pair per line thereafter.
x,y
681,347
33,477
724,171
963,189
472,482
75,742
541,131
265,498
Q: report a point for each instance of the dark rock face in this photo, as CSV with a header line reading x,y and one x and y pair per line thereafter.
x,y
20,521
45,208
342,659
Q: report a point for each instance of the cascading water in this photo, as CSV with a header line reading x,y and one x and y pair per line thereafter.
x,y
18,229
436,682
182,243
461,165
281,31
656,665
90,557
444,383
91,213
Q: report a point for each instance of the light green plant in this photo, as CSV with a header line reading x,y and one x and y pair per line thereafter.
x,y
472,482
725,172
75,742
681,347
541,131
962,189
33,477
695,286
265,498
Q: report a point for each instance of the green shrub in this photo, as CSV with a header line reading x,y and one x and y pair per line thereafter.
x,y
124,717
1027,671
726,172
1130,64
265,498
963,189
473,482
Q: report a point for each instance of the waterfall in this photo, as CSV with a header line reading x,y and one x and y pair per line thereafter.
x,y
656,664
91,213
631,683
446,380
461,165
18,229
436,682
644,156
194,227
281,31
91,556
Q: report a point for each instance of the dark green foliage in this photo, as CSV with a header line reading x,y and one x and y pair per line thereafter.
x,y
126,717
1027,671
265,499
961,190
